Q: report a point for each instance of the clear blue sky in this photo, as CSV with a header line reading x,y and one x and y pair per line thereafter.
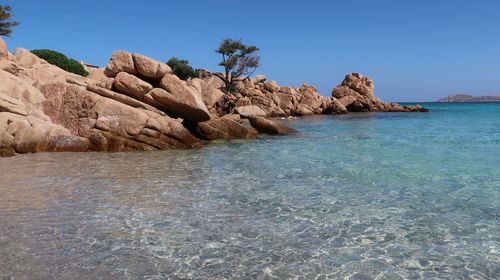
x,y
415,50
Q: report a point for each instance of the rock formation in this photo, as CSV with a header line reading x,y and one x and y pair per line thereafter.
x,y
136,103
356,94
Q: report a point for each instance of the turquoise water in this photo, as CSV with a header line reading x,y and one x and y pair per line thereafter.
x,y
361,196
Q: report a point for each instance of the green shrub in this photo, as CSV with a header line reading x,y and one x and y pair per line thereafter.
x,y
60,60
181,68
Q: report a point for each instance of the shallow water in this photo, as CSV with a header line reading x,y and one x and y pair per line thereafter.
x,y
365,196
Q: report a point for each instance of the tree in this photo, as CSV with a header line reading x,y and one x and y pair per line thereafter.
x,y
6,23
181,68
239,62
62,61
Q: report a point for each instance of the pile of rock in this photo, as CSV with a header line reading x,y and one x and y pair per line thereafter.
x,y
44,108
259,97
356,94
136,103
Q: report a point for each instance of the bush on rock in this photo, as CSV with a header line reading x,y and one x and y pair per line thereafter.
x,y
181,68
62,61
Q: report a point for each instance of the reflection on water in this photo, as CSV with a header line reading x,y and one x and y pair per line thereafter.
x,y
356,198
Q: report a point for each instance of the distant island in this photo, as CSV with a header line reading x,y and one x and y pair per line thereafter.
x,y
470,98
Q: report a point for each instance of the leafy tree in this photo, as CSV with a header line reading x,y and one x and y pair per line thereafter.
x,y
238,61
181,68
6,23
62,61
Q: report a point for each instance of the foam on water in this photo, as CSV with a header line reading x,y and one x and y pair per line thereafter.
x,y
366,196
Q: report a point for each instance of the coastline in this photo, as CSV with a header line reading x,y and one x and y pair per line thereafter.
x,y
136,103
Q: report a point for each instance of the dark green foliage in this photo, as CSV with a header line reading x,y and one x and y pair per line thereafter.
x,y
238,61
6,23
62,61
181,68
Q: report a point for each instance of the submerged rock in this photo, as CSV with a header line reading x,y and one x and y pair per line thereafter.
x,y
269,127
225,128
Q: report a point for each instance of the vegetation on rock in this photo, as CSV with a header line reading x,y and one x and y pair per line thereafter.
x,y
181,68
239,61
6,22
62,61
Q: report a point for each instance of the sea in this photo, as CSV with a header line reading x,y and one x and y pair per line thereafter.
x,y
357,196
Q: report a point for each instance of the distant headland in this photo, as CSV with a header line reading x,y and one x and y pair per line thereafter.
x,y
470,98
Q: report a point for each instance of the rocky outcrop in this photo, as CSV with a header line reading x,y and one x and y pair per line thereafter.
x,y
136,103
267,98
28,134
111,125
24,127
356,94
45,109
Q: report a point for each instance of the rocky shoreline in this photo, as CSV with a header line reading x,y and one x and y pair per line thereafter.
x,y
136,103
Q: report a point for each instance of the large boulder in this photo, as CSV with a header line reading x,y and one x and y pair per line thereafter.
x,y
303,110
150,68
28,134
335,107
244,101
347,100
209,94
359,83
131,85
287,102
120,61
225,128
214,81
35,71
180,100
344,91
258,79
19,97
312,99
24,127
271,86
266,103
122,98
26,58
98,78
111,125
288,90
251,110
263,125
